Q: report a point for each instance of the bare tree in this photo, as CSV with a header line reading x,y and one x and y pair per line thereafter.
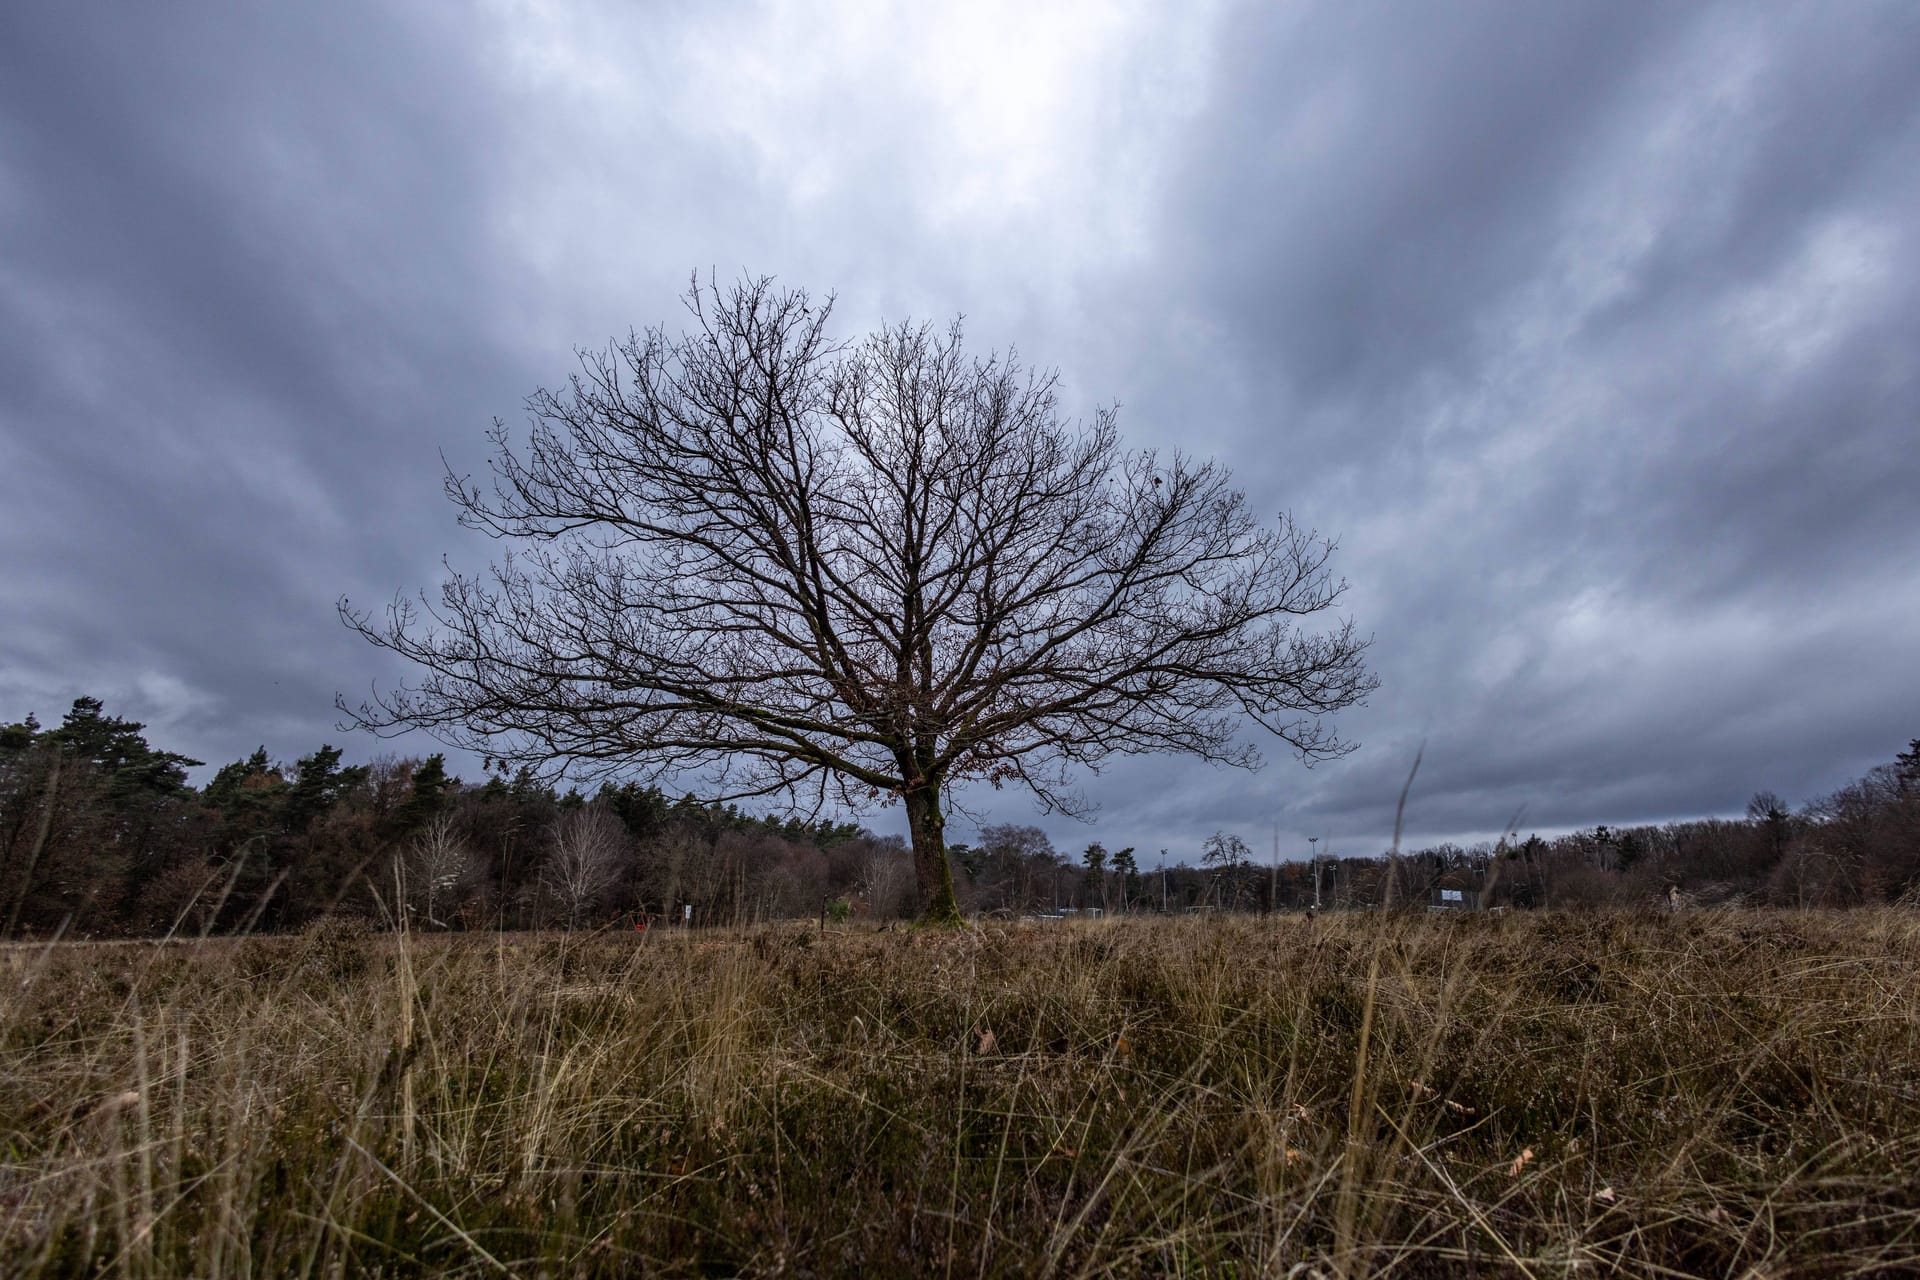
x,y
886,880
1018,865
1229,856
585,861
672,867
437,860
856,574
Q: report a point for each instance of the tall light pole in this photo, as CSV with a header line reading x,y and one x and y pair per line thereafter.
x,y
1313,843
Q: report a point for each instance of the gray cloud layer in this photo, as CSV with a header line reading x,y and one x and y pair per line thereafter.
x,y
1590,330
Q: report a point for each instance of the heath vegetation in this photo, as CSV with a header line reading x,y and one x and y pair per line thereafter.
x,y
1547,1093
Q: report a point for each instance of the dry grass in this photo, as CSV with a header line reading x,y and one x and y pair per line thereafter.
x,y
1733,1094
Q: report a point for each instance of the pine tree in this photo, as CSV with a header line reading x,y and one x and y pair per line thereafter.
x,y
319,783
20,736
427,798
1129,870
1906,769
1094,860
117,748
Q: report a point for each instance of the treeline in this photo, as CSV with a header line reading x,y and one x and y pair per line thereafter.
x,y
1858,846
102,835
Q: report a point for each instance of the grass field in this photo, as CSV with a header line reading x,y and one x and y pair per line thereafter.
x,y
1711,1094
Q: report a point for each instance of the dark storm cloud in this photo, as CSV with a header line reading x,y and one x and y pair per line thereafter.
x,y
1589,329
263,267
240,247
1373,173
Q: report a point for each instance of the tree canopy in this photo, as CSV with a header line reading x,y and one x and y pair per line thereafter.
x,y
849,573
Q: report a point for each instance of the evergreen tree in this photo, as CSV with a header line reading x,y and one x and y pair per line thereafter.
x,y
969,859
1129,869
1094,860
1906,769
248,793
19,736
117,748
427,798
319,783
643,810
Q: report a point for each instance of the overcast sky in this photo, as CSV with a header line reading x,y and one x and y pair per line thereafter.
x,y
1590,330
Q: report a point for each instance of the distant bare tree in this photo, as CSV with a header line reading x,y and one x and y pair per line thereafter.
x,y
673,867
436,861
1229,857
886,879
1018,864
858,574
584,864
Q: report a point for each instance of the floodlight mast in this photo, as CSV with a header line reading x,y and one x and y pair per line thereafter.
x,y
1313,843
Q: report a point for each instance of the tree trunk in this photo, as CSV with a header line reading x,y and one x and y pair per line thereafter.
x,y
935,878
